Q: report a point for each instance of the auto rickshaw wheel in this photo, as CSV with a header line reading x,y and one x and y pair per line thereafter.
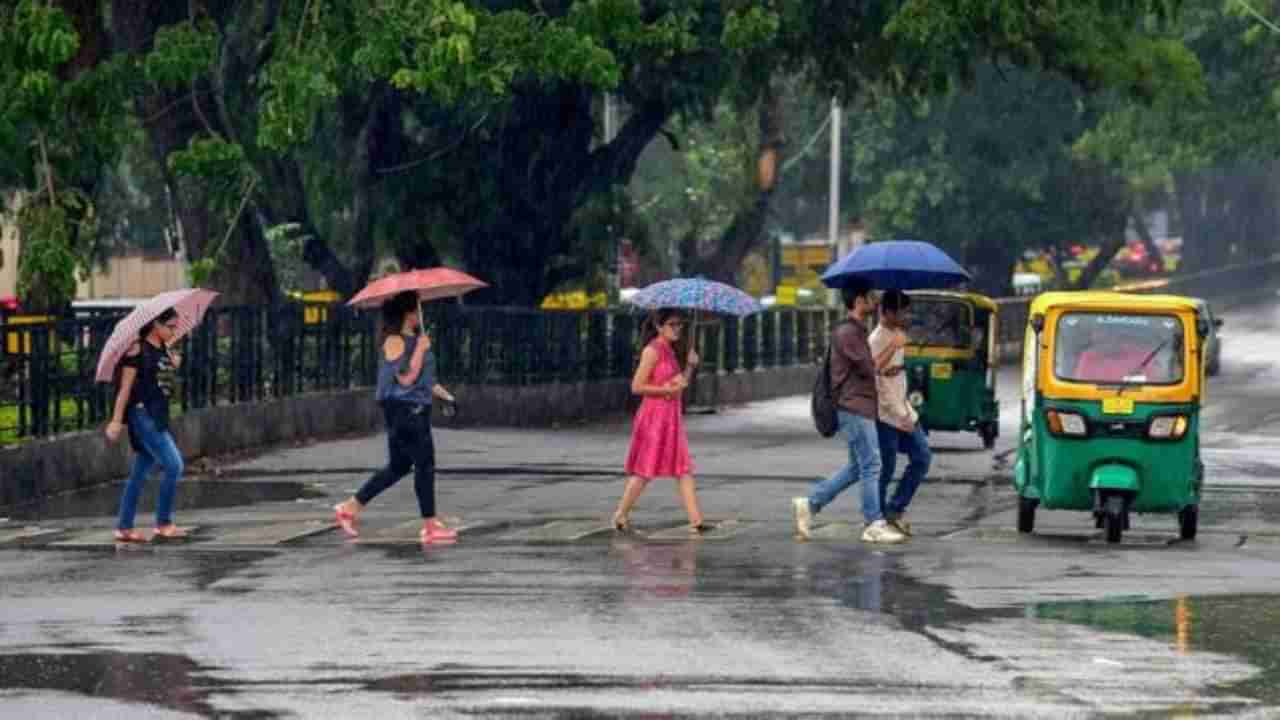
x,y
1114,518
1027,514
1188,522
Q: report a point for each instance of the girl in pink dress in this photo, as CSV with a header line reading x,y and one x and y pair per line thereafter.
x,y
659,445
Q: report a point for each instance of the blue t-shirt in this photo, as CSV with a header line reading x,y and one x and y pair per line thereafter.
x,y
419,393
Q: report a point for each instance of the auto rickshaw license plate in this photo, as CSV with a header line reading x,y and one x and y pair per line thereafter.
x,y
1117,406
940,371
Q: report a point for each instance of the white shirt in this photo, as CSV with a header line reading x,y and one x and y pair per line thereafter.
x,y
894,408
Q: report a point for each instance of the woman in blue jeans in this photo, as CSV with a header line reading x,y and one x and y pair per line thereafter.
x,y
145,381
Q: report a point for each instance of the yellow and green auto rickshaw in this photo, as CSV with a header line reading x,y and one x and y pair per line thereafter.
x,y
1111,394
951,360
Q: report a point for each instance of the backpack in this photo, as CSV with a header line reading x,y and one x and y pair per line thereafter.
x,y
822,405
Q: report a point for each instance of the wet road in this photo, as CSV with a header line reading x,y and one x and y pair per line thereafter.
x,y
537,613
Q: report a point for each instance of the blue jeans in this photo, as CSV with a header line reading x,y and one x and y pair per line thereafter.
x,y
916,445
864,465
157,447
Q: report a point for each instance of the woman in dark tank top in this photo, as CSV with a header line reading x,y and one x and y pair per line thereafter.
x,y
144,380
406,386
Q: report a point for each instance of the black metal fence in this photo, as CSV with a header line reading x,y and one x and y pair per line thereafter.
x,y
245,354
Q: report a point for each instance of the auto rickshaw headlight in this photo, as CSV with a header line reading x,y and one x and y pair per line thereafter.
x,y
1066,423
1168,427
916,398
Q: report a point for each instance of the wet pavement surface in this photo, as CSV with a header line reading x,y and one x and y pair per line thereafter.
x,y
542,611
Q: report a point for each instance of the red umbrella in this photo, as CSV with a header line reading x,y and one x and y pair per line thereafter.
x,y
190,304
432,284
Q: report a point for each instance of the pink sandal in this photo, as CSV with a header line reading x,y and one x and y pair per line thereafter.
x,y
346,520
169,532
130,536
433,532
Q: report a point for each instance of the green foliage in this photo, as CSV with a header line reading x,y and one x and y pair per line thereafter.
x,y
690,196
181,54
748,29
985,173
52,259
58,126
221,167
299,85
36,38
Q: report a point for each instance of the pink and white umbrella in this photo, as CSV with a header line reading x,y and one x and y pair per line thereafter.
x,y
189,304
432,284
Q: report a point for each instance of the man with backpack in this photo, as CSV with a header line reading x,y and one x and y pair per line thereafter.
x,y
853,385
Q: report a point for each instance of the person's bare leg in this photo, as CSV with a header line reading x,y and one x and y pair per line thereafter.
x,y
689,494
630,494
351,505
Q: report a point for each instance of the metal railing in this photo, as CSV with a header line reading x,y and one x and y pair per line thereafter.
x,y
246,354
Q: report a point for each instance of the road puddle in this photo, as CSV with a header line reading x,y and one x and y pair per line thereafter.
x,y
192,495
173,682
1245,626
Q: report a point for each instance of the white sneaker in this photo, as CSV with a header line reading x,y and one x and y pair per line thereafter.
x,y
880,532
803,515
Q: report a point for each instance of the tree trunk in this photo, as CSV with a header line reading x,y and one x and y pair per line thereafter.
x,y
746,232
1114,241
170,121
1189,191
1140,225
992,267
545,168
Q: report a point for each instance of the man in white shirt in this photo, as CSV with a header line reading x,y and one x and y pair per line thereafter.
x,y
898,425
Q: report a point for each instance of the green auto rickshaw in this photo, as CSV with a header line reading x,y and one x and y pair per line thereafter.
x,y
952,358
1112,386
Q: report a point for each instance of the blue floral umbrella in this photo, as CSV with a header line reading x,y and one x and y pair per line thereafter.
x,y
896,265
696,294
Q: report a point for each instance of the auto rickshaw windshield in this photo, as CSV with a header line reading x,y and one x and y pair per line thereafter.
x,y
1119,349
939,323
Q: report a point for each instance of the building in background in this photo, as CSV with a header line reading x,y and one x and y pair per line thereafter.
x,y
8,257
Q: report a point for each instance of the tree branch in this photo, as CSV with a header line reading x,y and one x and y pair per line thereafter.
x,y
435,154
244,201
48,167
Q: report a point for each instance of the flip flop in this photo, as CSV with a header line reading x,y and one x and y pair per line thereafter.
x,y
130,536
346,520
169,532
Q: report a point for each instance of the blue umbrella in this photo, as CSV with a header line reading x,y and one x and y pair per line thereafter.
x,y
696,294
896,265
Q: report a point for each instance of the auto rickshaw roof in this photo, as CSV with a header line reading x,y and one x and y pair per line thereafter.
x,y
1109,300
981,301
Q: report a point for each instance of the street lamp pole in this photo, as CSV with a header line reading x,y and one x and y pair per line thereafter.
x,y
833,219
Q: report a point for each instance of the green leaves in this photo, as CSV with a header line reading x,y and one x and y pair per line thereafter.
x,y
36,38
748,29
55,234
220,166
181,54
299,85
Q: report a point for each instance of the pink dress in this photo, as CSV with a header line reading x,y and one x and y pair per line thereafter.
x,y
659,445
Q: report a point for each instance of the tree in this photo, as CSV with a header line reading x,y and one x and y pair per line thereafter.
x,y
476,121
986,173
59,122
1215,150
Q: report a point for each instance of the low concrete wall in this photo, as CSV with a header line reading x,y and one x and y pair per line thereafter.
x,y
76,461
40,468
